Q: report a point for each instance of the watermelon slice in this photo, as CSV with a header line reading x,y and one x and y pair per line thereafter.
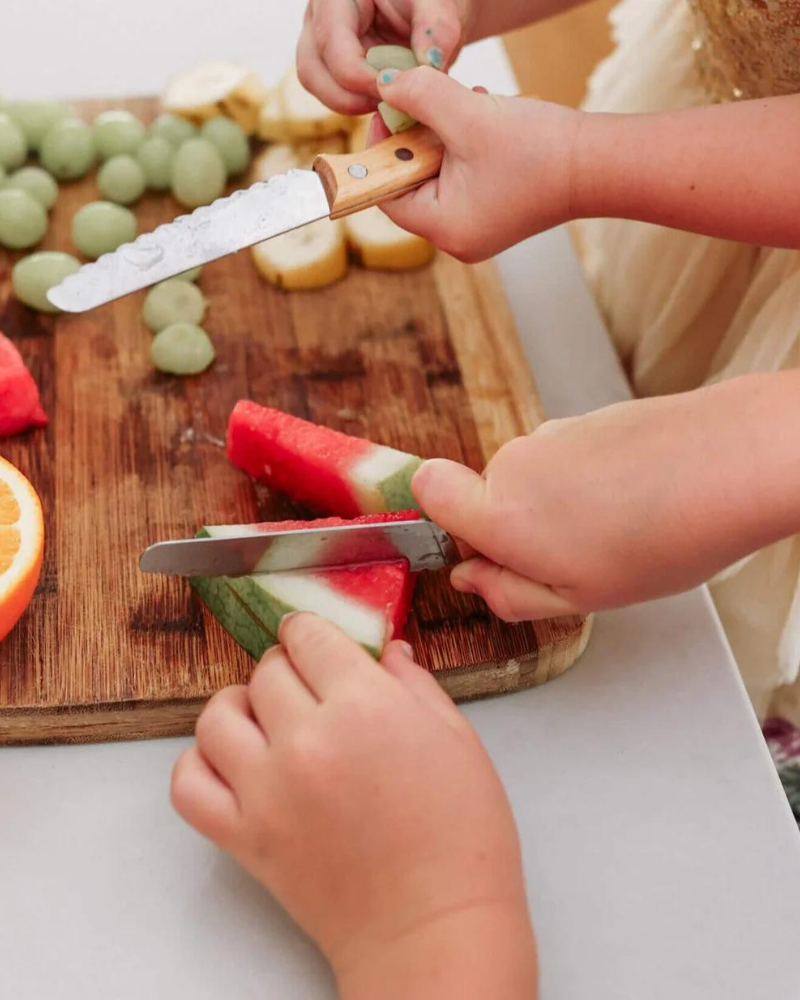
x,y
20,407
369,603
326,469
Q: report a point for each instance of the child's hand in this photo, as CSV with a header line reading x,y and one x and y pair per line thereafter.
x,y
361,797
506,170
337,33
637,501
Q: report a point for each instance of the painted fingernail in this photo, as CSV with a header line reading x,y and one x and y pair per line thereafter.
x,y
435,57
388,75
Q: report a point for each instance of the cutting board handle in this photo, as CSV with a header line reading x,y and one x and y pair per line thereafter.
x,y
353,181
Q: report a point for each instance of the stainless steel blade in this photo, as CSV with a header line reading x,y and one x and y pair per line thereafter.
x,y
239,550
246,217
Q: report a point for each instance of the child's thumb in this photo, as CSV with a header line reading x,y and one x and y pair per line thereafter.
x,y
429,97
454,497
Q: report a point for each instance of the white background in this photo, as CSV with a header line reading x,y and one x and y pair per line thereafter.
x,y
661,856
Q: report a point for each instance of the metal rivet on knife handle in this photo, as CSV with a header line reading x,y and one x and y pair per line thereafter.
x,y
398,164
357,170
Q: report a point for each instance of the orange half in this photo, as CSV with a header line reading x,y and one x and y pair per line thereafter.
x,y
21,544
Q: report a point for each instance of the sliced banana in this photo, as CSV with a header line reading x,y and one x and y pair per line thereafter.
x,y
271,123
275,159
380,245
359,133
310,257
306,117
217,88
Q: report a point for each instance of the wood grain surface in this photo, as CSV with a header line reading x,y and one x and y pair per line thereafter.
x,y
427,361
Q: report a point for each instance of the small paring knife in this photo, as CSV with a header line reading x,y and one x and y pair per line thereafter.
x,y
240,550
338,185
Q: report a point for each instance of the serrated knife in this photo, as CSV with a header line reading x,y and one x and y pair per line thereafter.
x,y
239,550
338,185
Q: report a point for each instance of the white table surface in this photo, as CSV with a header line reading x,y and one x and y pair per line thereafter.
x,y
661,856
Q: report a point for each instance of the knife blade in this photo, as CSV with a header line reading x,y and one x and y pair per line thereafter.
x,y
240,550
338,185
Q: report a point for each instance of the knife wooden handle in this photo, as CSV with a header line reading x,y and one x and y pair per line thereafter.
x,y
353,181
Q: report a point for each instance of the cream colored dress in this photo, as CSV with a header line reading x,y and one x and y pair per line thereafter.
x,y
686,310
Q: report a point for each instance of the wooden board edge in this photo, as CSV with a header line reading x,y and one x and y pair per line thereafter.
x,y
139,720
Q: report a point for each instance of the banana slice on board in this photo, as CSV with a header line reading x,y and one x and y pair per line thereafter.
x,y
380,245
217,88
304,116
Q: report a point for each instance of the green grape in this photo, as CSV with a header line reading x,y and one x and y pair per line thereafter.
x,y
23,221
198,173
174,129
13,145
67,149
101,227
121,179
36,117
3,176
36,182
35,275
230,139
391,57
182,349
117,132
396,121
174,301
155,156
192,275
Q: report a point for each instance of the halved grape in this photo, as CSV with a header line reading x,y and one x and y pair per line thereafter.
x,y
182,349
396,121
117,132
198,173
36,117
391,57
13,144
36,182
67,149
23,221
121,179
155,156
174,301
231,141
192,275
35,275
101,227
174,129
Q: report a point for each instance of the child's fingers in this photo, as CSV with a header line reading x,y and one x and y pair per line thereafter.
x,y
436,33
322,654
336,32
434,99
377,130
455,497
511,597
228,736
398,660
279,697
418,212
202,798
316,78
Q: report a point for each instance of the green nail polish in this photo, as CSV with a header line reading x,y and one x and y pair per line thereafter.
x,y
435,57
388,75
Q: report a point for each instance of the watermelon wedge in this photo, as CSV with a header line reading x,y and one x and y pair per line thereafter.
x,y
20,407
330,471
369,603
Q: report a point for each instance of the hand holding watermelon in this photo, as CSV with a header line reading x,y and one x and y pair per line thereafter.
x,y
363,800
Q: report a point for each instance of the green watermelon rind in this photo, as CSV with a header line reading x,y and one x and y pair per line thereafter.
x,y
396,489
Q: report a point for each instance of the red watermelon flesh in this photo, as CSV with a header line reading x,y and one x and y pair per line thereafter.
x,y
324,468
20,407
370,603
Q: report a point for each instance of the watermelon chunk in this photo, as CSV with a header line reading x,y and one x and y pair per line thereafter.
x,y
20,407
330,471
369,603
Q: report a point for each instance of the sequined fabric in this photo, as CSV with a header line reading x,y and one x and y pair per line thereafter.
x,y
748,48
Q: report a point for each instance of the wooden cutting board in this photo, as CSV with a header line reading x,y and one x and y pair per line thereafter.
x,y
428,362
